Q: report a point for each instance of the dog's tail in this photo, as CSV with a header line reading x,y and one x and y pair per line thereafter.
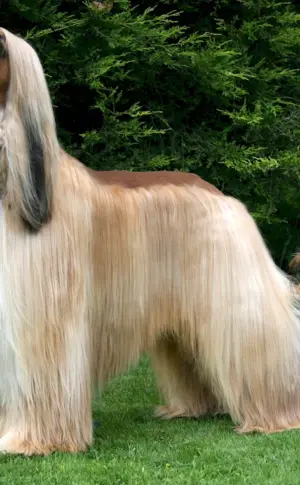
x,y
294,265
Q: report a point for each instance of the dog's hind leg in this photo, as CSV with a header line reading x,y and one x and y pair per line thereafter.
x,y
180,382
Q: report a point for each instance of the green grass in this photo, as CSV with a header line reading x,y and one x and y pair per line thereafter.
x,y
132,447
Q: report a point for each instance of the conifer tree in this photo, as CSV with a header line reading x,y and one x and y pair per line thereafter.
x,y
209,86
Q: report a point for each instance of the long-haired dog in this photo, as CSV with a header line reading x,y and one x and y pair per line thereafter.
x,y
97,268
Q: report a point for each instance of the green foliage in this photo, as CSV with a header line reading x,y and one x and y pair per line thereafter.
x,y
209,86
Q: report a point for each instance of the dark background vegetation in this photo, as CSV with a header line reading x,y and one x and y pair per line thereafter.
x,y
209,86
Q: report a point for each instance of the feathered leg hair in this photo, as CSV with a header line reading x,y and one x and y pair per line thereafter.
x,y
238,331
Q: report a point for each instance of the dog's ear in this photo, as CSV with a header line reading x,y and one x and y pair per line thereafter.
x,y
4,68
4,82
35,198
31,145
3,51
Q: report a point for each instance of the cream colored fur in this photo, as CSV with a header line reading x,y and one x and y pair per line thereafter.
x,y
177,272
28,105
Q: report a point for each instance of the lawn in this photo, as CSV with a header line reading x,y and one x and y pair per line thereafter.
x,y
132,447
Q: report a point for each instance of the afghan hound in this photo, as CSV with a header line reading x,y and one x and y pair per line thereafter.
x,y
99,268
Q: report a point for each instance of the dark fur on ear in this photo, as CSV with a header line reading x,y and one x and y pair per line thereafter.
x,y
3,52
37,206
